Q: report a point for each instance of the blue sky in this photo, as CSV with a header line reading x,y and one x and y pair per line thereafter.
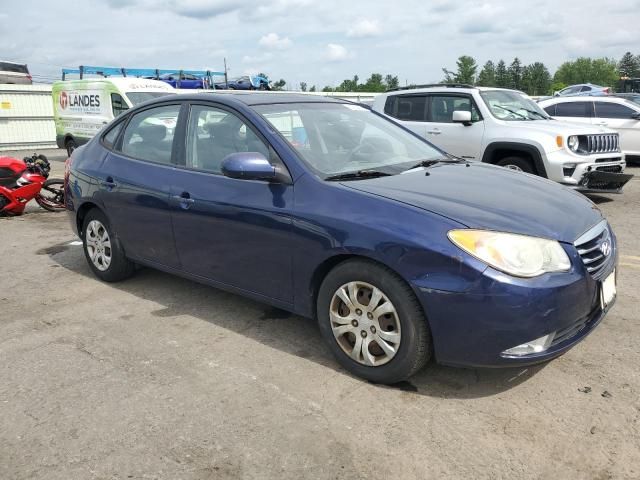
x,y
319,42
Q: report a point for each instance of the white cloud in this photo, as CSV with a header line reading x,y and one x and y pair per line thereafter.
x,y
364,28
265,57
336,53
273,40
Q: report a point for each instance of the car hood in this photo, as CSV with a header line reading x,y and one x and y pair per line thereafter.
x,y
559,127
483,196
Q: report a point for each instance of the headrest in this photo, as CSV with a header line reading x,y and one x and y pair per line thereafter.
x,y
152,133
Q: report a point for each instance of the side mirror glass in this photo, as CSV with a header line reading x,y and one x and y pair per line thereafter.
x,y
635,116
462,116
248,166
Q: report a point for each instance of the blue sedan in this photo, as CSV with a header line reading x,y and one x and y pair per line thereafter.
x,y
326,209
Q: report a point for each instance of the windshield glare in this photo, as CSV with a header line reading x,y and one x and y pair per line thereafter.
x,y
139,97
512,106
336,138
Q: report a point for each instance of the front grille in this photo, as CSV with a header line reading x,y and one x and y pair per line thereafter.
x,y
596,248
602,143
610,168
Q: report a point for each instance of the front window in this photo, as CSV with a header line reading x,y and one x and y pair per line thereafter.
x,y
137,98
512,106
336,138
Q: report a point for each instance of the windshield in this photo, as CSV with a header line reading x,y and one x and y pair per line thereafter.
x,y
336,138
512,106
139,97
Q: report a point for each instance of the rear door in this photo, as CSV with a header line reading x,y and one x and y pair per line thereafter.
x,y
619,117
237,232
462,140
136,185
580,112
410,110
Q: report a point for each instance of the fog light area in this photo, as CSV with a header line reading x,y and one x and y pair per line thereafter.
x,y
538,345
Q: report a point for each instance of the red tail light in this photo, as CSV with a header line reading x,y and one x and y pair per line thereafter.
x,y
607,90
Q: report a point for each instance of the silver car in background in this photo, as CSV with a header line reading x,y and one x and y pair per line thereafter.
x,y
14,73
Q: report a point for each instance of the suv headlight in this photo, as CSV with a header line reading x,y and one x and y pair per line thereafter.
x,y
518,255
573,143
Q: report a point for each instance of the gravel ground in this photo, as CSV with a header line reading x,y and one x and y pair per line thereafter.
x,y
162,378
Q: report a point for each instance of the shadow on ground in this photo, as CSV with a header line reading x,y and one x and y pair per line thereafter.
x,y
279,329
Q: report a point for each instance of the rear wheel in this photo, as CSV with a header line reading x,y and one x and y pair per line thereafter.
x,y
103,250
373,322
51,197
518,164
70,145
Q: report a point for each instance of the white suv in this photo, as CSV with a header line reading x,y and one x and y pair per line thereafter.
x,y
507,128
619,114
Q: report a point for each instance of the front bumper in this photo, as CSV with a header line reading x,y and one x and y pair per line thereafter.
x,y
603,182
597,173
474,328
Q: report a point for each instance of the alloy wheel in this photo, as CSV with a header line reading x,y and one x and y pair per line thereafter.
x,y
98,245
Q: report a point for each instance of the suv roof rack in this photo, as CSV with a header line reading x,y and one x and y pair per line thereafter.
x,y
448,85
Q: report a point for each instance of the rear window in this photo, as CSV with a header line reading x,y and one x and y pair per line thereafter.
x,y
407,107
574,109
12,67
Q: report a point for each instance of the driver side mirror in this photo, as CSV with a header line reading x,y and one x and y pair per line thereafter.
x,y
462,116
635,116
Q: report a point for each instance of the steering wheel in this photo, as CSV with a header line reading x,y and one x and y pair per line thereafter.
x,y
363,153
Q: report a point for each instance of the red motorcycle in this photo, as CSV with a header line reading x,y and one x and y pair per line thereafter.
x,y
24,180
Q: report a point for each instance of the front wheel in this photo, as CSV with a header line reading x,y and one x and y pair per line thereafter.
x,y
518,164
103,250
51,196
373,322
70,145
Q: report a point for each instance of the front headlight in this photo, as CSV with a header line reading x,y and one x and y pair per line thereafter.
x,y
518,255
573,143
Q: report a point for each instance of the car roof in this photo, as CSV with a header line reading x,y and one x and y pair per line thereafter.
x,y
447,87
578,98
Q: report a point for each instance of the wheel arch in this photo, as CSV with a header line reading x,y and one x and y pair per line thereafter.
x,y
496,151
81,214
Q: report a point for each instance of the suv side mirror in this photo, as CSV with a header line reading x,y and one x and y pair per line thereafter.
x,y
462,116
635,116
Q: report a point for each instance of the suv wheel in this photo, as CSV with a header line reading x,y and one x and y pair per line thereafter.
x,y
373,322
518,164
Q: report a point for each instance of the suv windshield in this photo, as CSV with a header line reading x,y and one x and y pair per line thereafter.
x,y
338,138
139,97
512,106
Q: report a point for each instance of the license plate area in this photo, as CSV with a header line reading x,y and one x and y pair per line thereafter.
x,y
608,290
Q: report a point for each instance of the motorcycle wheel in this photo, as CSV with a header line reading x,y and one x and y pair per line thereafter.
x,y
51,197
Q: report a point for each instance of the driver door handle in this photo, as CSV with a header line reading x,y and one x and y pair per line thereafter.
x,y
435,131
184,199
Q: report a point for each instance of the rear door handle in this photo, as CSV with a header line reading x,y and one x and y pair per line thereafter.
x,y
184,199
109,184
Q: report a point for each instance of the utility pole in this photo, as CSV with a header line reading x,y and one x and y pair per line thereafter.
x,y
226,79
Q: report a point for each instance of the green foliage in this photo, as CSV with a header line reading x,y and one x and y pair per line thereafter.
x,y
515,74
313,88
279,85
375,83
466,72
600,71
303,86
536,79
629,66
502,75
487,76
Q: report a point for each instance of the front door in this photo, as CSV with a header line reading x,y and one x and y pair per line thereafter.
x,y
136,185
237,232
461,140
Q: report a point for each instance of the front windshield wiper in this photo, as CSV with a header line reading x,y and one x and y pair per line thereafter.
x,y
357,175
429,162
544,117
511,111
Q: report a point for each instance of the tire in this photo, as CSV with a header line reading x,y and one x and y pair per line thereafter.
x,y
517,163
406,328
70,145
51,197
110,263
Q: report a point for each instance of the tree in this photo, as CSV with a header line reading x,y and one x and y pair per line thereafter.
x,y
327,89
601,71
279,85
515,74
536,79
502,75
391,81
303,86
466,73
487,76
629,66
313,88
